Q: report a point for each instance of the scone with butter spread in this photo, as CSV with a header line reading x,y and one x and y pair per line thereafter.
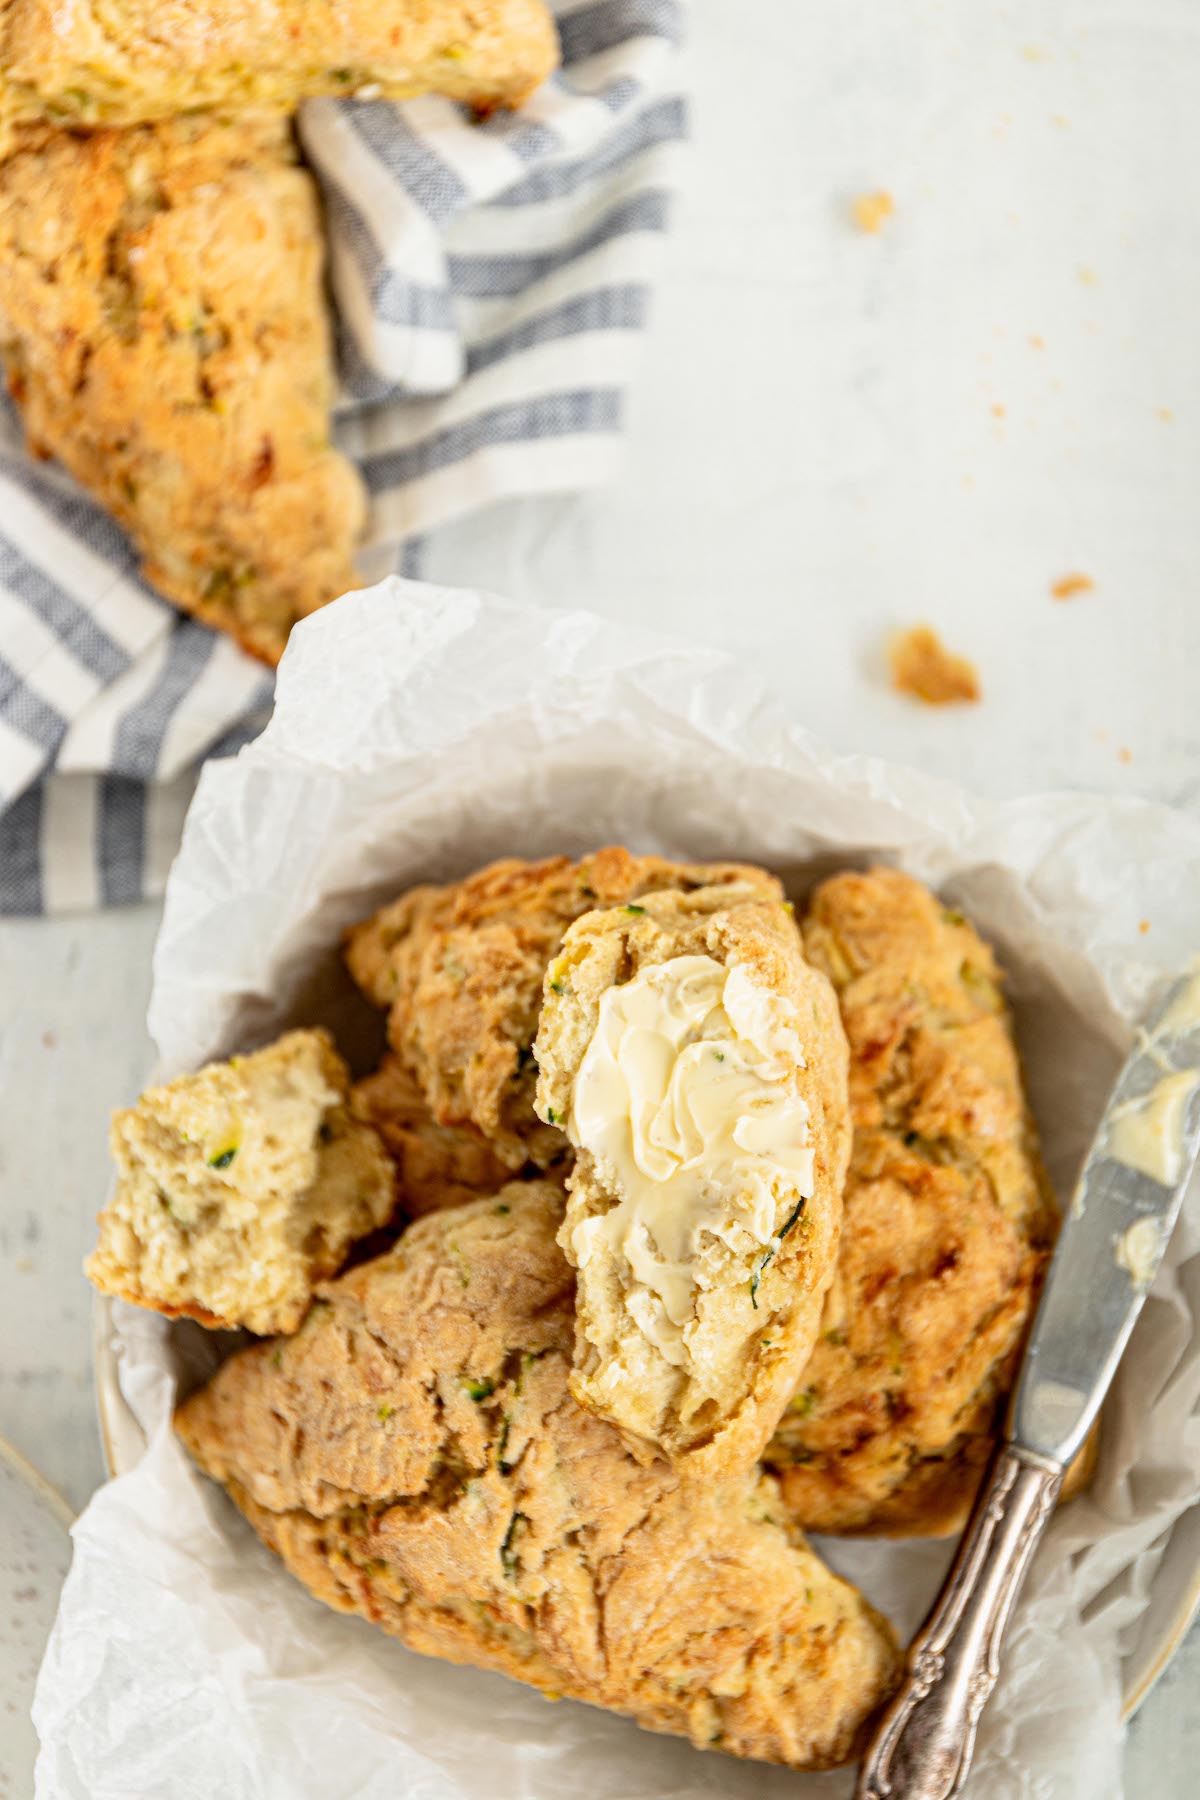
x,y
459,971
949,1220
125,62
415,1457
240,1187
698,1066
164,333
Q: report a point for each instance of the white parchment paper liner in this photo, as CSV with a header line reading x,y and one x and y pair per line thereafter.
x,y
417,733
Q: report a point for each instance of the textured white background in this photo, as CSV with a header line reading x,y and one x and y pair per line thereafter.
x,y
867,428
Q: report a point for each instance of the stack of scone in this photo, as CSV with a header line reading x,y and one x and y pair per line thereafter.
x,y
726,1225
163,322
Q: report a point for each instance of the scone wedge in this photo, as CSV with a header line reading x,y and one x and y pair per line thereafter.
x,y
126,62
414,1456
949,1220
698,1066
240,1187
459,971
164,333
436,1165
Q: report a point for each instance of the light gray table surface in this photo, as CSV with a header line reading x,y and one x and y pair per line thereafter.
x,y
835,434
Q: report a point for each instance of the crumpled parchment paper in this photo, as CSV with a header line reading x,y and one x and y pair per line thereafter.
x,y
417,733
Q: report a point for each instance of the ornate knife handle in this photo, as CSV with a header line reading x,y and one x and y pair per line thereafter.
x,y
923,1745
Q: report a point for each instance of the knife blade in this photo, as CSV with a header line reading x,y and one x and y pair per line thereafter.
x,y
1116,1232
1108,1252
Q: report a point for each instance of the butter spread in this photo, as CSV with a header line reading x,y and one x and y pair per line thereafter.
x,y
687,1100
1147,1134
1137,1250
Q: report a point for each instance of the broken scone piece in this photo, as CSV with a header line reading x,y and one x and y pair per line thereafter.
x,y
164,334
239,1187
415,1457
459,971
124,62
698,1067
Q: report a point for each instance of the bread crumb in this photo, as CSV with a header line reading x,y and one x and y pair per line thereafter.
x,y
1166,414
1088,277
1143,926
1036,342
1067,586
923,667
1033,53
871,212
1125,754
997,410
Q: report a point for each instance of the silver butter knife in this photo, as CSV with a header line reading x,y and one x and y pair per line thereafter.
x,y
1108,1253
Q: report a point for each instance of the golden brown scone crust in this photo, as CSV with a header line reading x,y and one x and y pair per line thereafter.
x,y
948,1221
436,1165
164,333
240,1187
756,1312
459,971
125,62
414,1456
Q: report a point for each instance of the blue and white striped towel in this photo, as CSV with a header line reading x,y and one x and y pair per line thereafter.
x,y
491,283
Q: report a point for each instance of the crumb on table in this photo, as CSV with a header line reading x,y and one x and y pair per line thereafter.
x,y
871,212
1067,586
922,666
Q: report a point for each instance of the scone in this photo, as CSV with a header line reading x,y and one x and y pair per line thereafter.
x,y
436,1165
414,1456
459,971
698,1066
948,1221
164,334
240,1187
125,62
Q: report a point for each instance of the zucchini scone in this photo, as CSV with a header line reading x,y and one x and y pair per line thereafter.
x,y
240,1187
697,1064
414,1456
459,970
126,62
436,1165
164,334
948,1221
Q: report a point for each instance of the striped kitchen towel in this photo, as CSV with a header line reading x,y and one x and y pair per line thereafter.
x,y
491,283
